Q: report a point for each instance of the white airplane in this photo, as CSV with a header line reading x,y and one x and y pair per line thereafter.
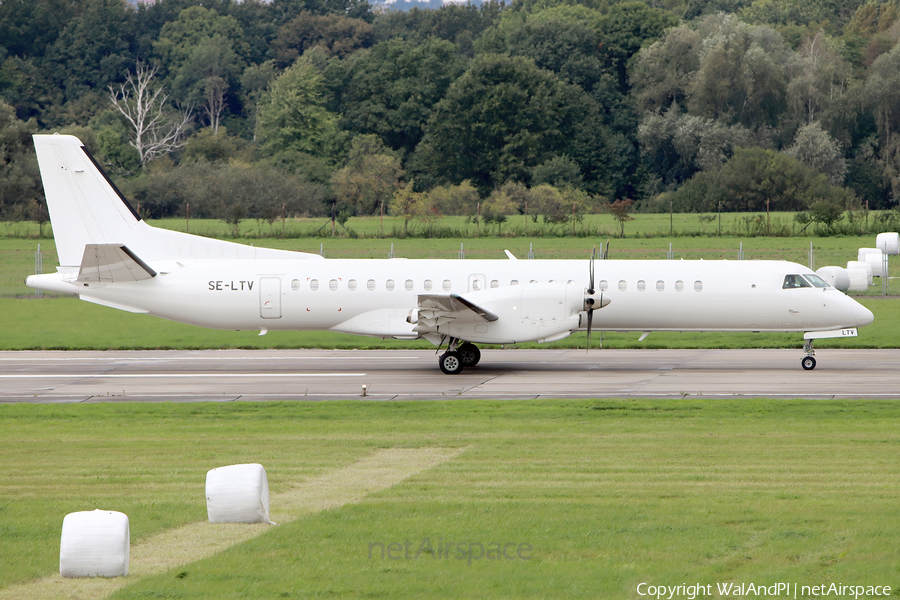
x,y
109,256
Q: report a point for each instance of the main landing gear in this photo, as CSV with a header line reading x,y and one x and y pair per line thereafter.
x,y
809,361
458,356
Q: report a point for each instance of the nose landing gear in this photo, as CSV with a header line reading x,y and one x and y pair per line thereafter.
x,y
809,361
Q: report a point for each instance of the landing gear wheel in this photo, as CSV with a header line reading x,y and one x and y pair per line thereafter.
x,y
451,363
808,362
469,354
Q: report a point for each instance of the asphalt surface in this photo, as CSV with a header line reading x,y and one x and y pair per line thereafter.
x,y
254,375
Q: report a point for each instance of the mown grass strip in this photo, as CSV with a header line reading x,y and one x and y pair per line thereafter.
x,y
195,541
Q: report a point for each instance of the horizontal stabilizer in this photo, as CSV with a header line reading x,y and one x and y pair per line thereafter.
x,y
112,263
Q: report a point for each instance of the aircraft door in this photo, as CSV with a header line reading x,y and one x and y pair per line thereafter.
x,y
476,282
270,297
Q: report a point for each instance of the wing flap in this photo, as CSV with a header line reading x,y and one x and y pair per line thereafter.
x,y
435,310
112,263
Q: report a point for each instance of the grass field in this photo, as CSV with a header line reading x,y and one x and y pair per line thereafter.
x,y
607,494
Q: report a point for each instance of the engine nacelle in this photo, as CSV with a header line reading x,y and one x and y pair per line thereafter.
x,y
525,313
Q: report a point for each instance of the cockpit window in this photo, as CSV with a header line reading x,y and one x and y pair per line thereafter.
x,y
794,281
816,280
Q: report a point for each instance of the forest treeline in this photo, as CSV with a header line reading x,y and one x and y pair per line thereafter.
x,y
550,108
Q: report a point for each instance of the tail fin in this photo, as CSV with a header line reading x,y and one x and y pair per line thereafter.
x,y
87,209
85,206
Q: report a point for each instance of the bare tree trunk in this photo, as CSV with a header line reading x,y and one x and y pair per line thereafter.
x,y
142,104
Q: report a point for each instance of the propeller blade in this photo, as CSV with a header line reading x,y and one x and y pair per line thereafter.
x,y
591,275
590,321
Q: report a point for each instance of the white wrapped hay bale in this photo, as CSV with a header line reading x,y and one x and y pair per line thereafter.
x,y
889,243
874,257
94,543
859,274
859,264
836,276
237,494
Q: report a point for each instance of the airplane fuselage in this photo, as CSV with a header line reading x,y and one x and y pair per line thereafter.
x,y
374,297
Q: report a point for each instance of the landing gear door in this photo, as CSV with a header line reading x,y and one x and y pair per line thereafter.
x,y
476,282
270,297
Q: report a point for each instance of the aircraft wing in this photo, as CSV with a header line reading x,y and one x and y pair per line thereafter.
x,y
435,310
112,263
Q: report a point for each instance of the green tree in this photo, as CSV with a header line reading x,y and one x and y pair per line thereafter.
x,y
338,35
880,92
741,76
823,214
559,171
370,177
815,148
28,27
661,73
293,117
627,26
619,210
93,51
409,204
497,208
754,180
19,177
821,77
678,145
179,38
206,76
504,116
392,89
455,199
254,81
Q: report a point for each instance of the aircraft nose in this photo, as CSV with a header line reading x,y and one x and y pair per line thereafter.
x,y
863,315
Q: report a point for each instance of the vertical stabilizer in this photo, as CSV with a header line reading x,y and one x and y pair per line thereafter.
x,y
86,209
85,206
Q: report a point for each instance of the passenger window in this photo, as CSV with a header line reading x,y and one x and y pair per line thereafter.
x,y
793,282
428,285
332,285
495,283
679,286
295,284
603,285
641,286
370,285
313,284
446,285
409,285
660,286
389,285
514,282
623,286
351,285
698,286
